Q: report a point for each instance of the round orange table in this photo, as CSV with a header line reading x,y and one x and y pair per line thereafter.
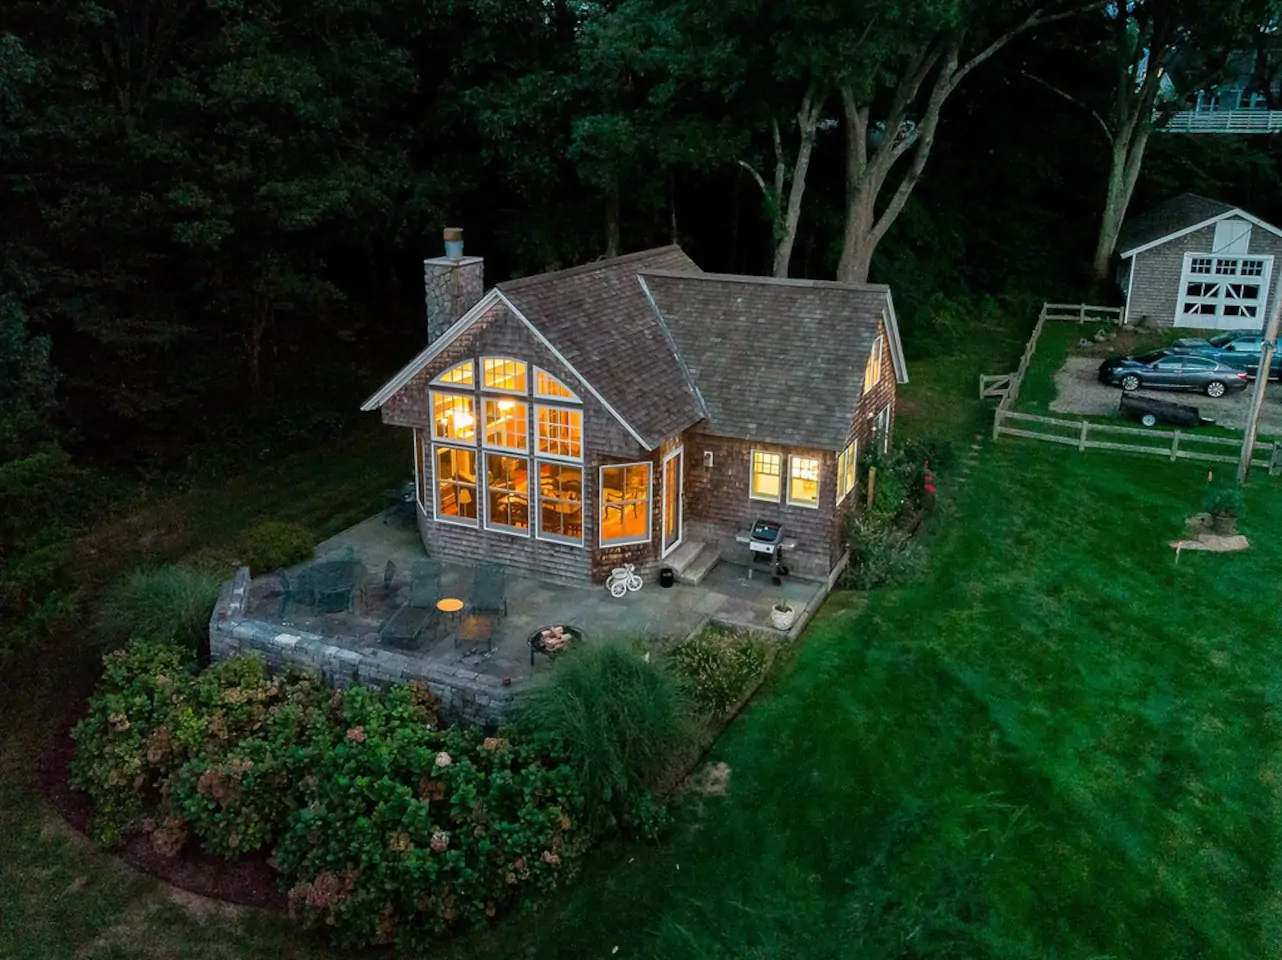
x,y
449,605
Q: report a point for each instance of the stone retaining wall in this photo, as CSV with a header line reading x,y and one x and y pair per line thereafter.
x,y
466,696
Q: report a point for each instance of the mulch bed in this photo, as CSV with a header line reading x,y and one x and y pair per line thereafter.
x,y
248,881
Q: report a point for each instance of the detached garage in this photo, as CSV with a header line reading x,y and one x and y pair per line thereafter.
x,y
1194,262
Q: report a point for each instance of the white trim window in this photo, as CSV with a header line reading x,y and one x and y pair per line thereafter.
x,y
872,369
507,423
460,375
548,387
456,500
507,497
765,475
420,473
847,462
453,417
560,432
881,430
504,375
1223,292
803,481
560,502
625,503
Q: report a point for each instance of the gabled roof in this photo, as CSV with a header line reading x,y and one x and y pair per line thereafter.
x,y
779,361
664,346
1175,218
599,320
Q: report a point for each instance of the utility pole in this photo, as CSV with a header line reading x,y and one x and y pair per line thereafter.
x,y
1261,381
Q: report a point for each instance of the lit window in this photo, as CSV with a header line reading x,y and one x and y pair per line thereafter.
x,y
766,470
803,481
881,430
506,423
456,483
560,433
546,385
460,375
453,417
846,470
507,481
508,375
560,501
625,503
872,369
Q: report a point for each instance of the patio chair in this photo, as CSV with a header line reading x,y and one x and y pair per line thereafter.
x,y
425,584
489,591
300,590
406,626
389,577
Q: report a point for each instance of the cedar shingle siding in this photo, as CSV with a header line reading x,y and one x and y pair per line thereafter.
x,y
708,363
1150,280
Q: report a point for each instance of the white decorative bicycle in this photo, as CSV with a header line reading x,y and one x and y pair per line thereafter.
x,y
622,579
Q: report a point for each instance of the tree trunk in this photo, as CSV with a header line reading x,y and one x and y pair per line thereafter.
x,y
858,241
1123,170
807,123
612,224
675,236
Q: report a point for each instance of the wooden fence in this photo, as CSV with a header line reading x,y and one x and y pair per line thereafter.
x,y
1085,435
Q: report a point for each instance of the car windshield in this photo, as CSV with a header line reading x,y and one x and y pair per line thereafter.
x,y
1222,339
1153,357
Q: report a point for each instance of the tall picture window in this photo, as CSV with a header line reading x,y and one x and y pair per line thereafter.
x,y
625,503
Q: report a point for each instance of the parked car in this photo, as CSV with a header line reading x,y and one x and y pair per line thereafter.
x,y
1241,348
1172,369
1151,411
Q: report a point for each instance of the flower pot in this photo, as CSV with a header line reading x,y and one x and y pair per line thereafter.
x,y
1223,524
782,619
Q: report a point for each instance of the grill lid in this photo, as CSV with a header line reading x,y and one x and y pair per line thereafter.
x,y
767,531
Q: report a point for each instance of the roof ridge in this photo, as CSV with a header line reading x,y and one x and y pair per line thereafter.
x,y
770,281
599,264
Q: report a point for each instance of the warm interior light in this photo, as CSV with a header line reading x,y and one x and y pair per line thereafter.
x,y
506,404
462,419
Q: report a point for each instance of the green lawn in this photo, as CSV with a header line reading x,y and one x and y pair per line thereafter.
x,y
1059,743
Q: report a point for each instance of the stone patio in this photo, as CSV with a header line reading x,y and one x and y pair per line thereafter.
x,y
475,682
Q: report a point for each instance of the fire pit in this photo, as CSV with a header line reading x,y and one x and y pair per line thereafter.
x,y
552,640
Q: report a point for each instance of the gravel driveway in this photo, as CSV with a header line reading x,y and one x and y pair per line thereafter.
x,y
1078,390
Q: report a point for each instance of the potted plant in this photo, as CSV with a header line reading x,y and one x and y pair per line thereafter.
x,y
782,615
1225,505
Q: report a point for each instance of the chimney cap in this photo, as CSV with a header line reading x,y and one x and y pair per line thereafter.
x,y
453,234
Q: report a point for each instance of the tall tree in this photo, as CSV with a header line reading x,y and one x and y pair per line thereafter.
x,y
893,97
1157,53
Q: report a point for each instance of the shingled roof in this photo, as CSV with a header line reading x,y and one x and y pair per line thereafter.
x,y
1176,214
779,361
599,318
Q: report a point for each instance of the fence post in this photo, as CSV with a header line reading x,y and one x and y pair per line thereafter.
x,y
1275,461
1081,441
1175,446
1081,314
997,421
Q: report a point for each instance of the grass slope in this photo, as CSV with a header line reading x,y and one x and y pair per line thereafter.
x,y
1058,744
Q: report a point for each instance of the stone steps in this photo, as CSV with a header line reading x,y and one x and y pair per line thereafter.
x,y
691,561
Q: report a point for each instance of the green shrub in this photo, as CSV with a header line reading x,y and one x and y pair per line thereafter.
x,y
169,603
717,667
275,544
621,718
407,831
217,561
123,748
1224,501
880,554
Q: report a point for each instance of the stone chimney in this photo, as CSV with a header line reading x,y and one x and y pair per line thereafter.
x,y
452,284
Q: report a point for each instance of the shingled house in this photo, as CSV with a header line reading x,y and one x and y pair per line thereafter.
x,y
639,410
1195,262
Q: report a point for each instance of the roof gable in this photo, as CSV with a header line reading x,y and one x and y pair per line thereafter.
x,y
780,361
1176,217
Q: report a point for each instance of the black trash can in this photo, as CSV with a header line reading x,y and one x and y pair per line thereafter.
x,y
667,577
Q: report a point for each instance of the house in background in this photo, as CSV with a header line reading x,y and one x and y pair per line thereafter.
x,y
1195,262
1243,101
637,410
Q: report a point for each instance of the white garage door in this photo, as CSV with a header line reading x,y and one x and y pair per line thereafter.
x,y
1223,293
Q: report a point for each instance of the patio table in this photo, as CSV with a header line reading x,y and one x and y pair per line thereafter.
x,y
335,580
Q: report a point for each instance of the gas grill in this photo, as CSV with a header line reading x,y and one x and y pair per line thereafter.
x,y
766,545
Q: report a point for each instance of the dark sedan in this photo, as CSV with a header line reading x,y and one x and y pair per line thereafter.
x,y
1241,348
1170,369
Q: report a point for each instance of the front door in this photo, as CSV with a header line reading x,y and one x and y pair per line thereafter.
x,y
673,471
